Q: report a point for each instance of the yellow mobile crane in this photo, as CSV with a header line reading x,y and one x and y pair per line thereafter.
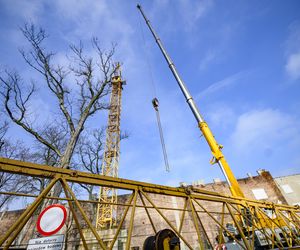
x,y
204,214
215,148
274,229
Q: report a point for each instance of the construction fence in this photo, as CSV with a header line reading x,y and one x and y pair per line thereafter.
x,y
200,219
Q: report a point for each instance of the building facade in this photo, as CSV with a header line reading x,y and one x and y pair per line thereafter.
x,y
263,187
290,188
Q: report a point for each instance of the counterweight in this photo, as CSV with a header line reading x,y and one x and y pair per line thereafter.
x,y
106,212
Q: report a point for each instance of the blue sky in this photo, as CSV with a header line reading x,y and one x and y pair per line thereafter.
x,y
239,59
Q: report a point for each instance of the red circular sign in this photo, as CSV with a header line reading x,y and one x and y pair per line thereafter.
x,y
51,219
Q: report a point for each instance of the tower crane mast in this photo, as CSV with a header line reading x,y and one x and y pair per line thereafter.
x,y
106,210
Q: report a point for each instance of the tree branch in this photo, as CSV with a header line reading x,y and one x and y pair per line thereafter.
x,y
10,90
39,60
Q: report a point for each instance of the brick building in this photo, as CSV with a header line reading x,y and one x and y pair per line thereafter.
x,y
261,187
290,188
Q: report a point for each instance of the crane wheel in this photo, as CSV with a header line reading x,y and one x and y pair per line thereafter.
x,y
165,239
149,243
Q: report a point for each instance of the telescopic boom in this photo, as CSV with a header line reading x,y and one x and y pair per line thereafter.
x,y
215,148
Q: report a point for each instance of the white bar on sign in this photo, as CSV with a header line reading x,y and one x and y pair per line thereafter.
x,y
54,242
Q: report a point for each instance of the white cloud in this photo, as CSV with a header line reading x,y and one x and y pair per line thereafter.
x,y
185,16
208,58
220,115
28,10
77,11
263,129
220,49
40,111
293,40
293,66
161,3
97,18
192,11
91,17
292,51
226,82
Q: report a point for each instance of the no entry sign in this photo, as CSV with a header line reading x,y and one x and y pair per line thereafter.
x,y
51,219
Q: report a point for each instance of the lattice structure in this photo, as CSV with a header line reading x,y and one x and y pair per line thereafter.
x,y
106,213
202,215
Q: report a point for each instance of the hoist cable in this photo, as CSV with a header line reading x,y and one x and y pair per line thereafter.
x,y
147,59
155,105
155,101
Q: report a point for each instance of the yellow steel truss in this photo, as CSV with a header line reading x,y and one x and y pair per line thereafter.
x,y
106,213
206,211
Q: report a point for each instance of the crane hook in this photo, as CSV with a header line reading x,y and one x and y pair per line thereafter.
x,y
155,104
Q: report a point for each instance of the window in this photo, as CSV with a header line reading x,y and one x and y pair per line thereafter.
x,y
287,189
259,194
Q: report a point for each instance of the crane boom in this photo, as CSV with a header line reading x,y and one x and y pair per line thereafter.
x,y
215,148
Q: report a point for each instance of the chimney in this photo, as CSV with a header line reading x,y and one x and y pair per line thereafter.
x,y
260,171
199,183
217,180
183,184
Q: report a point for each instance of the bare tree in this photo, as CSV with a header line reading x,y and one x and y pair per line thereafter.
x,y
3,131
11,183
89,155
90,150
91,75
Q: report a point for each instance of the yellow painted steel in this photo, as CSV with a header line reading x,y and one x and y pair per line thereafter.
x,y
166,244
219,157
264,221
44,171
106,213
196,225
194,202
215,148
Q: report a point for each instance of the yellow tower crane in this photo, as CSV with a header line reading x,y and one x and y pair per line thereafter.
x,y
106,211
